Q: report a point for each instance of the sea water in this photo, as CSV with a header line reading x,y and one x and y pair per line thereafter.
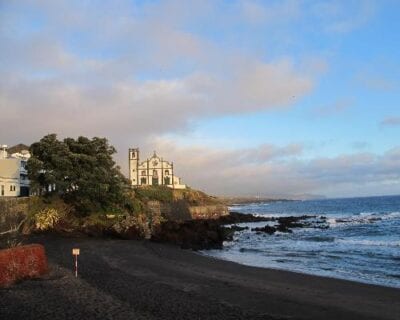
x,y
362,242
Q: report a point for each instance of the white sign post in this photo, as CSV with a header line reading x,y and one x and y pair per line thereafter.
x,y
76,252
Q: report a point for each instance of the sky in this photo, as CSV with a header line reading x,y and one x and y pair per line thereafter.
x,y
270,98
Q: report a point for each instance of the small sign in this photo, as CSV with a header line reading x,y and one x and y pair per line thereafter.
x,y
75,253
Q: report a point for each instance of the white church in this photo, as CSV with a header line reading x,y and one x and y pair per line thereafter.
x,y
152,171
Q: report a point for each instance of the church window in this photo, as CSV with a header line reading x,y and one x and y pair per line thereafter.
x,y
143,173
166,172
167,180
155,173
143,181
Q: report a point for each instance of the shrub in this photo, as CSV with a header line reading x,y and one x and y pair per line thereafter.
x,y
160,193
46,219
23,262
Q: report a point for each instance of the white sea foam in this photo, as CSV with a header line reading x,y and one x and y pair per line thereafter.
x,y
362,218
360,244
365,242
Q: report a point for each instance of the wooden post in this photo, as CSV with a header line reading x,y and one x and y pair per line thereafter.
x,y
76,252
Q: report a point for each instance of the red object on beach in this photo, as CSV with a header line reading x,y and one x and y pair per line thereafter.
x,y
22,262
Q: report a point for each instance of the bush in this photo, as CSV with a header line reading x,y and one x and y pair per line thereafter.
x,y
46,219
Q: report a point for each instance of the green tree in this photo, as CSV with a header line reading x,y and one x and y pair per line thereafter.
x,y
81,171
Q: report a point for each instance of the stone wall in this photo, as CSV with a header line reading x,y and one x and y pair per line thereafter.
x,y
12,212
180,210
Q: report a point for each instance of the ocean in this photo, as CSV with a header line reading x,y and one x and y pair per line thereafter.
x,y
361,243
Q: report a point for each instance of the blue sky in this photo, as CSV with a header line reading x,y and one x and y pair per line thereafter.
x,y
247,97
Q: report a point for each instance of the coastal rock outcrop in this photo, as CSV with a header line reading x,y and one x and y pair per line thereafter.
x,y
128,228
266,229
194,234
286,224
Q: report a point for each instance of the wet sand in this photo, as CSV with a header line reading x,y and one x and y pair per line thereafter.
x,y
143,280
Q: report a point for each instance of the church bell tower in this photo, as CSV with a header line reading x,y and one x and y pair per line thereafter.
x,y
134,166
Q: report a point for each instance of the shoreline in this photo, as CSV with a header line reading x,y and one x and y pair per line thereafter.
x,y
296,272
120,279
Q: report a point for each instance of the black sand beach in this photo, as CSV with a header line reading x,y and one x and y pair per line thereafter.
x,y
143,280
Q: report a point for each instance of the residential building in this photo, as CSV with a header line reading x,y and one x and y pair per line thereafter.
x,y
13,174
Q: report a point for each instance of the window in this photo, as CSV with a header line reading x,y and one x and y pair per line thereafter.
x,y
143,173
167,180
167,172
155,174
143,181
12,188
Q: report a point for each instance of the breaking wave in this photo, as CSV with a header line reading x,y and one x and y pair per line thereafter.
x,y
379,243
362,218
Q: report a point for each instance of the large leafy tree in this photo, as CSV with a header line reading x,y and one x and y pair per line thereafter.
x,y
81,171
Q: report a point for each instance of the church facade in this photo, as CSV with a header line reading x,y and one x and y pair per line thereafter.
x,y
152,171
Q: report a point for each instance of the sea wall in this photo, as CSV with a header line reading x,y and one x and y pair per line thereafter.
x,y
12,212
181,210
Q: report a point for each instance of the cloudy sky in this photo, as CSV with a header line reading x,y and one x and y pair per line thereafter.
x,y
246,97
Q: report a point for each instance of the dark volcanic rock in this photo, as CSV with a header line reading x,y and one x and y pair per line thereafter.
x,y
237,228
193,234
283,228
93,230
266,229
286,224
237,217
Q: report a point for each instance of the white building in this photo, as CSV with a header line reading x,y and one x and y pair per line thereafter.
x,y
153,171
13,174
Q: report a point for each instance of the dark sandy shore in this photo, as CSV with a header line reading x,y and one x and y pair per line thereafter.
x,y
142,280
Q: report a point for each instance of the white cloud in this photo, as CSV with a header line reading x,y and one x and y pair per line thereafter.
x,y
144,107
271,170
125,70
132,72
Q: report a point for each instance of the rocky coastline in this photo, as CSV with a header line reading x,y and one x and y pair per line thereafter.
x,y
210,234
